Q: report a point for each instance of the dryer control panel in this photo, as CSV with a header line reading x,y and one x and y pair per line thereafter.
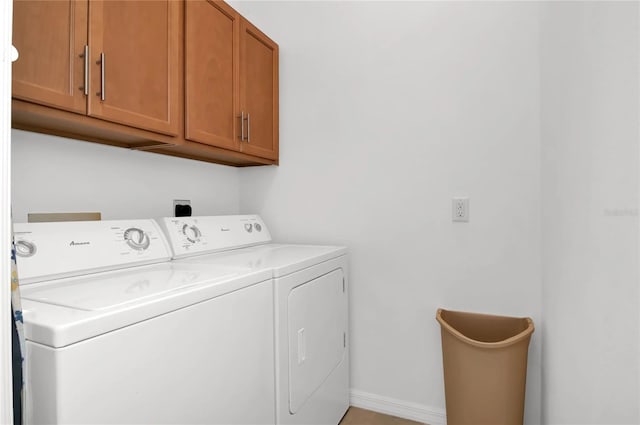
x,y
62,249
208,234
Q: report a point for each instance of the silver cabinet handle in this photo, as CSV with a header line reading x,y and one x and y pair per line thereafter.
x,y
85,55
242,126
248,128
102,65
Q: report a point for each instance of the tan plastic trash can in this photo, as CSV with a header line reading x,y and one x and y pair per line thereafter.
x,y
485,367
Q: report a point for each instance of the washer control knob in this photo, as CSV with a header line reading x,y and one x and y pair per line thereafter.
x,y
258,227
136,238
25,249
248,227
192,233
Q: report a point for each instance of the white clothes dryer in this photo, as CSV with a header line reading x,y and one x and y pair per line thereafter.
x,y
310,292
118,334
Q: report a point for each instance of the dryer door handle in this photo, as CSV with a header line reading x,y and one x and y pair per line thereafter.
x,y
302,346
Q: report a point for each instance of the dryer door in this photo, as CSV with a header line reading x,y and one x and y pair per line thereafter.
x,y
317,325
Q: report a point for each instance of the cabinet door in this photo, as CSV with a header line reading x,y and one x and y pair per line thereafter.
x,y
135,63
212,29
259,91
50,37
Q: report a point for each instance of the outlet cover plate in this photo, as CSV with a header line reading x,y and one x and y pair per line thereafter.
x,y
460,209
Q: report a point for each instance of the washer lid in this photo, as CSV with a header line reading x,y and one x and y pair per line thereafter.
x,y
64,311
109,290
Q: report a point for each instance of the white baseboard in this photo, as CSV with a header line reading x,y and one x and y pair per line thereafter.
x,y
400,408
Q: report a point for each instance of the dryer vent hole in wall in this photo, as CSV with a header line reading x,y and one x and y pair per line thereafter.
x,y
182,208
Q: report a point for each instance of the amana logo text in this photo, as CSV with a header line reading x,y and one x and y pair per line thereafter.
x,y
74,243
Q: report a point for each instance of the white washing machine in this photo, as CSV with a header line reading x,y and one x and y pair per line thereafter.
x,y
118,334
310,290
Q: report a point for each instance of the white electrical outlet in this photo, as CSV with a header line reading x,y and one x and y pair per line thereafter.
x,y
460,209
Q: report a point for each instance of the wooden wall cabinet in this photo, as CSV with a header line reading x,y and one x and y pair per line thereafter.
x,y
231,81
211,73
135,54
114,60
259,91
51,37
184,78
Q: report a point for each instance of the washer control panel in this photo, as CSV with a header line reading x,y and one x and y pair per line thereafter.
x,y
61,249
207,234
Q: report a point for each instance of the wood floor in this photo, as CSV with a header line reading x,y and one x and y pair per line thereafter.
x,y
357,416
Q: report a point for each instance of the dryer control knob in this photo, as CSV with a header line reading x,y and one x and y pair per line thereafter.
x,y
192,233
258,227
248,227
25,249
136,238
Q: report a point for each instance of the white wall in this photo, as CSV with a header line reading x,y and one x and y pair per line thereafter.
x,y
389,109
53,174
590,159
